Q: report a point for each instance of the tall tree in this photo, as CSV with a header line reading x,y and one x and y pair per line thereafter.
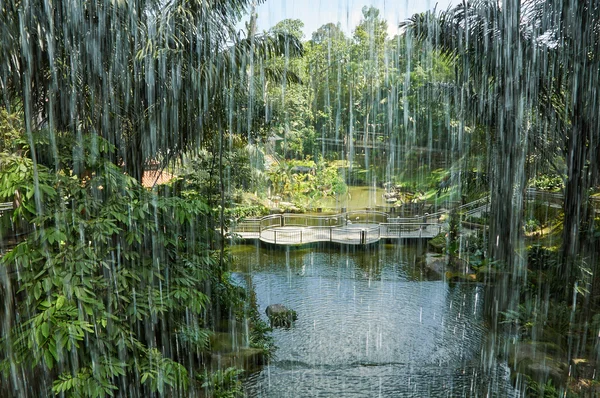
x,y
578,52
153,78
492,47
328,56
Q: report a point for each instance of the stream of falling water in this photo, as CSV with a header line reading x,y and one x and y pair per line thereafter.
x,y
111,279
370,323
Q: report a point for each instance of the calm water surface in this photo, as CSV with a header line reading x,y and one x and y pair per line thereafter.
x,y
370,324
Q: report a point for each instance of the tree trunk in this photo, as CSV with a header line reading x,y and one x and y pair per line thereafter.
x,y
582,143
507,183
576,198
507,172
134,159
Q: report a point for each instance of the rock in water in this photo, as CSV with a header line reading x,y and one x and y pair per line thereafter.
x,y
281,316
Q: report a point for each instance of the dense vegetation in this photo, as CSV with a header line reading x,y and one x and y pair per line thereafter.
x,y
117,288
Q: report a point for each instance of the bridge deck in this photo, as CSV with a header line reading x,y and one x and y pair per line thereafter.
x,y
354,234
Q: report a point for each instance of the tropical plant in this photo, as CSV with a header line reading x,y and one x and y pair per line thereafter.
x,y
492,83
114,284
223,383
153,78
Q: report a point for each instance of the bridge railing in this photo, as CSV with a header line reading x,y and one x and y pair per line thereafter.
x,y
285,236
396,230
371,235
298,236
480,209
271,221
5,207
322,234
474,204
247,225
550,197
307,220
346,236
327,222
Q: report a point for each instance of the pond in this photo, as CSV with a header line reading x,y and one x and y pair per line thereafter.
x,y
370,323
358,197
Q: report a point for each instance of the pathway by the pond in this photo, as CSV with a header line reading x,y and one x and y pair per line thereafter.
x,y
370,324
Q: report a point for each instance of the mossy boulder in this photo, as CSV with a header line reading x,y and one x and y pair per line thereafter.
x,y
460,277
438,243
225,341
436,263
539,360
249,359
281,316
582,368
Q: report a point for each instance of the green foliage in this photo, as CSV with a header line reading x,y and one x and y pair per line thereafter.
x,y
283,319
17,173
523,319
303,181
534,318
223,383
475,250
541,258
531,225
541,390
544,213
161,372
453,231
548,182
290,26
240,212
197,338
186,107
106,259
202,172
438,243
260,335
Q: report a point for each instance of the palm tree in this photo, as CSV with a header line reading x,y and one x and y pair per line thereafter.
x,y
578,33
490,45
553,78
153,78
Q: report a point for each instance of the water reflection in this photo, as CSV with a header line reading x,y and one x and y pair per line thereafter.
x,y
369,324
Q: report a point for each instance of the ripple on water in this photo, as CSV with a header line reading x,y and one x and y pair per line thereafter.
x,y
365,328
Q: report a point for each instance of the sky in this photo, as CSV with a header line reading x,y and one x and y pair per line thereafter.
x,y
315,13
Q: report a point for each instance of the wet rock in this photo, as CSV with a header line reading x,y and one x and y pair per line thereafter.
x,y
221,342
538,360
248,359
582,368
460,265
585,388
460,277
436,263
281,316
438,243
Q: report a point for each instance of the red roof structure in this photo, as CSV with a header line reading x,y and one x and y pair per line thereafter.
x,y
155,177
